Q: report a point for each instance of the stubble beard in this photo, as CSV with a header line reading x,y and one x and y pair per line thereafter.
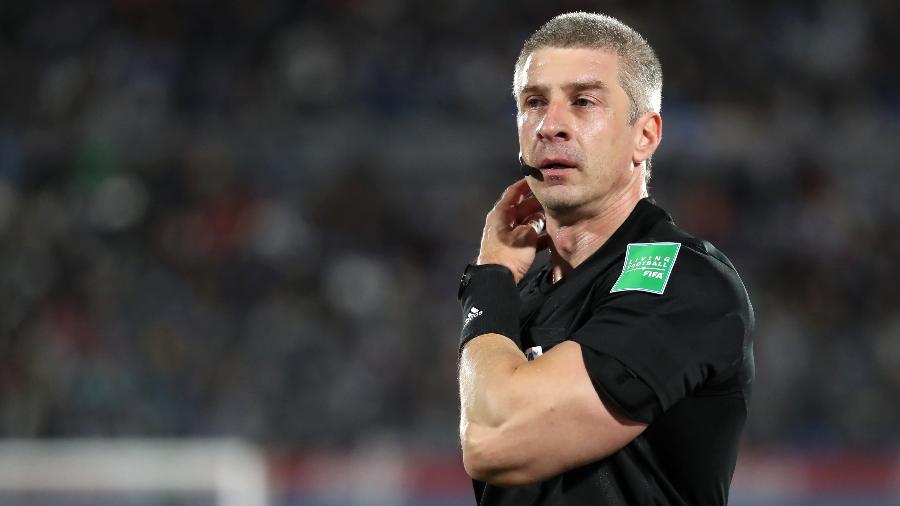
x,y
565,203
574,201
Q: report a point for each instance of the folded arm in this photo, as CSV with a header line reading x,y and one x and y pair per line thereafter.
x,y
523,422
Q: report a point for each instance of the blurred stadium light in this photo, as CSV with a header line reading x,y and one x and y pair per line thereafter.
x,y
132,472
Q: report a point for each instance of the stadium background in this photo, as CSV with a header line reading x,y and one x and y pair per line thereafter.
x,y
247,219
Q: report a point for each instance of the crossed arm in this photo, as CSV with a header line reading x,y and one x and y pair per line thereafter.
x,y
524,421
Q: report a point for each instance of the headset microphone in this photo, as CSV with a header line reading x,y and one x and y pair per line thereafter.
x,y
528,170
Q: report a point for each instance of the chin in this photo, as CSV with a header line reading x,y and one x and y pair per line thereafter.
x,y
564,201
558,202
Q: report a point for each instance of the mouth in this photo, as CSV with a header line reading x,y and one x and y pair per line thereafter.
x,y
557,166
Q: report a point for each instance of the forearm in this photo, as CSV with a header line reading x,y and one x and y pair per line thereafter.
x,y
491,396
486,366
489,343
524,421
493,410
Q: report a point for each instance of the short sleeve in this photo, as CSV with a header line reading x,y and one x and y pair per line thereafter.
x,y
670,343
621,386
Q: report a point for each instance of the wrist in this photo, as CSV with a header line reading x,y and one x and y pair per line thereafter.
x,y
490,303
483,260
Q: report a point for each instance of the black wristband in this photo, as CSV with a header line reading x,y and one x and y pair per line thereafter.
x,y
490,303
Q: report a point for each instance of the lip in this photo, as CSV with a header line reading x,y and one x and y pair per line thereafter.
x,y
557,164
557,171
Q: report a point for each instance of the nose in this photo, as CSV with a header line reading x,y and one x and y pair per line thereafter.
x,y
555,125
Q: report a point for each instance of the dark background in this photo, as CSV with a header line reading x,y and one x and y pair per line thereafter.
x,y
249,218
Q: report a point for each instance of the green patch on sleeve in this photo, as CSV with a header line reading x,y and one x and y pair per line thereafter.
x,y
647,267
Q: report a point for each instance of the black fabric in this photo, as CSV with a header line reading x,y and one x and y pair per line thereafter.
x,y
490,303
680,361
627,392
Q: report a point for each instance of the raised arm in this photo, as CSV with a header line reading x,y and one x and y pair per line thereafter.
x,y
524,421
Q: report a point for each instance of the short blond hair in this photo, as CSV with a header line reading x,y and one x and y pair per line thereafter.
x,y
639,69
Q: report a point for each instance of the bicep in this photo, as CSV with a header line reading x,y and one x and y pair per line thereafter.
x,y
563,422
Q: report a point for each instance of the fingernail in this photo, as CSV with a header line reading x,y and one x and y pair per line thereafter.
x,y
537,224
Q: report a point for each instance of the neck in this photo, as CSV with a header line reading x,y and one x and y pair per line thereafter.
x,y
574,240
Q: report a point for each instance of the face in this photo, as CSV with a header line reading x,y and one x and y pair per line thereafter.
x,y
573,126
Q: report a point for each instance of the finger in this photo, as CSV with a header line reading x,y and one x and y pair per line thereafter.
x,y
504,209
535,221
513,194
524,235
527,207
525,194
530,229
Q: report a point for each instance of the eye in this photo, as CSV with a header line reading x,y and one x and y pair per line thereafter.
x,y
533,103
582,102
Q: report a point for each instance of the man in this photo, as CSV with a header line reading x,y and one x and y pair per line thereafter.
x,y
619,372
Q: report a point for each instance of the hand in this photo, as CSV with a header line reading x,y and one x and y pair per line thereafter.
x,y
513,231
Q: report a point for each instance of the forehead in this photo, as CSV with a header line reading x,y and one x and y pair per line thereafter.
x,y
552,67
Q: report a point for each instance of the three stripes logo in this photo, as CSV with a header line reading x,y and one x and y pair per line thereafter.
x,y
474,312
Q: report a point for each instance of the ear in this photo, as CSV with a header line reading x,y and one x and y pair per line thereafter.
x,y
647,136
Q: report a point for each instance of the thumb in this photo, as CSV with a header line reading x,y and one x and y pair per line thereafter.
x,y
530,229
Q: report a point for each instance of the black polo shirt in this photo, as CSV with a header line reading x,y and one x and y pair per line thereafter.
x,y
664,324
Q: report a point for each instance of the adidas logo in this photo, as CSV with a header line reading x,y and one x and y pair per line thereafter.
x,y
473,313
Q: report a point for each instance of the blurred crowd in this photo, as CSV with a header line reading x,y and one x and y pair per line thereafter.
x,y
249,218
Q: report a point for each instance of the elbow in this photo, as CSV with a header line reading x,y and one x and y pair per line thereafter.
x,y
490,457
474,464
482,469
478,462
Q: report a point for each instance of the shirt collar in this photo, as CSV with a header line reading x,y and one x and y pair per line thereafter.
x,y
645,215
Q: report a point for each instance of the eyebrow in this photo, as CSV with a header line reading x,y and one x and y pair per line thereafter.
x,y
587,85
573,87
